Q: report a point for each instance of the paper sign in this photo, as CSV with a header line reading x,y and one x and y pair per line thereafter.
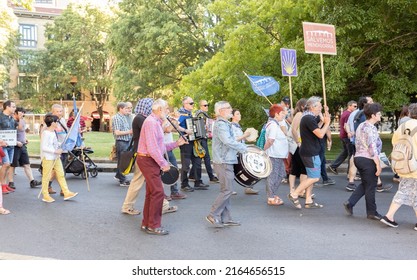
x,y
9,136
289,62
319,38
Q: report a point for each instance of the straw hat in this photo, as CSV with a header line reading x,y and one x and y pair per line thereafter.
x,y
253,134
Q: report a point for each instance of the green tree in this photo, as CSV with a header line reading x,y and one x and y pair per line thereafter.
x,y
77,47
158,42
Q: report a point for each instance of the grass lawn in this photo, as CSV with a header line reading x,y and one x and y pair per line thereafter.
x,y
101,143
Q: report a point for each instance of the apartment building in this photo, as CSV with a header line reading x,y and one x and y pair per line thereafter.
x,y
32,29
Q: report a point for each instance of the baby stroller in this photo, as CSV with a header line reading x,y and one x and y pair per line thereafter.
x,y
75,163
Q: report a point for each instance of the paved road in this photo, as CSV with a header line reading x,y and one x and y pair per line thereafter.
x,y
92,228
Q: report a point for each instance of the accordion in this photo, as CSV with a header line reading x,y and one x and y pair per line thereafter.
x,y
198,126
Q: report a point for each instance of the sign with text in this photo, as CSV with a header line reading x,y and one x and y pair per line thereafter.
x,y
289,62
9,136
319,38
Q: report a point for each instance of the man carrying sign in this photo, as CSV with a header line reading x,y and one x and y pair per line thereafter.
x,y
7,122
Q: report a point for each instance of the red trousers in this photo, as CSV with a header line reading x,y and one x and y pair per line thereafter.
x,y
152,210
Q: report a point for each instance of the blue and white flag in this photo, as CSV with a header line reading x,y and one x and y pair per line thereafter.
x,y
263,86
74,138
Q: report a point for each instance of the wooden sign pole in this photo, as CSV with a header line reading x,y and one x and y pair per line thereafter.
x,y
323,81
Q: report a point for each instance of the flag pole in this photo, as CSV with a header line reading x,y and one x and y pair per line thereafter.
x,y
323,81
257,88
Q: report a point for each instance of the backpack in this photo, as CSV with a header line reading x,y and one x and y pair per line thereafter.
x,y
358,119
402,156
261,139
262,136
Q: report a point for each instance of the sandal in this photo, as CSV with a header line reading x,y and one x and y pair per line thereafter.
x,y
170,209
313,205
157,231
131,211
295,202
4,211
275,201
304,196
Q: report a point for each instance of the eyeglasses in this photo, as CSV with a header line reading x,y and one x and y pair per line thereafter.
x,y
205,105
226,108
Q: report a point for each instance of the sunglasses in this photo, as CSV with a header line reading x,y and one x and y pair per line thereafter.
x,y
205,105
191,103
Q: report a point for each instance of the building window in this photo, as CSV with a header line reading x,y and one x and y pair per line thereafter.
x,y
28,36
43,1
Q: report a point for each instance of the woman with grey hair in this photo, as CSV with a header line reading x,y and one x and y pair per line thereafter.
x,y
407,189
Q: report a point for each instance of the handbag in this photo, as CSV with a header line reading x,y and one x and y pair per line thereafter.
x,y
127,159
113,153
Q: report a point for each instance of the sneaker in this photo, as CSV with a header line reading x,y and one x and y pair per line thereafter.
x,y
388,222
191,179
231,223
396,179
177,196
284,181
383,188
329,182
234,193
201,186
214,179
11,185
333,170
415,227
348,208
318,185
34,183
187,189
124,184
70,195
357,178
48,199
377,217
350,187
251,191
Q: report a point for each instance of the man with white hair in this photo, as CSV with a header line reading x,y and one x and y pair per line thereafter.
x,y
151,161
224,148
310,151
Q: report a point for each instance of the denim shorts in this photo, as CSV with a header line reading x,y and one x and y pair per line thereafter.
x,y
313,166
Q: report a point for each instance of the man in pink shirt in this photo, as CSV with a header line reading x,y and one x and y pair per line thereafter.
x,y
151,161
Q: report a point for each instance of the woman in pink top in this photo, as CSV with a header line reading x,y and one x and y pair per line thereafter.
x,y
368,147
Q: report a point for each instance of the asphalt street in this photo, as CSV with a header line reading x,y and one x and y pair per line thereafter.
x,y
91,227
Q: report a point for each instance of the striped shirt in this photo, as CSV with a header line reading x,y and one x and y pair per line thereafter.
x,y
152,140
121,123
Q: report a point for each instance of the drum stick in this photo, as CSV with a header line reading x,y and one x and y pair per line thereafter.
x,y
173,125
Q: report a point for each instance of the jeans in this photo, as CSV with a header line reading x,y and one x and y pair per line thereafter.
x,y
121,146
367,187
323,171
346,152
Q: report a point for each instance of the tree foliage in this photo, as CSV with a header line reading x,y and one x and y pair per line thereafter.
x,y
157,43
376,43
77,47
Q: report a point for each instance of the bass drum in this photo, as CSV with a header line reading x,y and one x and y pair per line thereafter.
x,y
170,177
252,166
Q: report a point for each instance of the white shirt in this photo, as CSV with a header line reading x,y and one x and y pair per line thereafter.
x,y
279,148
49,144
